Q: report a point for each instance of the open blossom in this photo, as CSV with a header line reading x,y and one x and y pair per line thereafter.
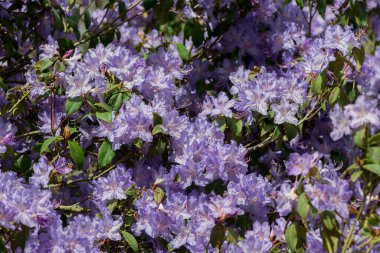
x,y
218,106
339,38
340,120
362,112
114,185
301,164
41,172
7,134
285,113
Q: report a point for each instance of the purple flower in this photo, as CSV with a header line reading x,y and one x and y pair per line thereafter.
x,y
61,166
257,240
339,38
340,121
7,135
42,171
107,227
285,113
218,106
114,185
300,164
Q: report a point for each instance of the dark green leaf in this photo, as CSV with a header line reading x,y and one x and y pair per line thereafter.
x,y
130,239
73,104
23,163
76,153
106,154
321,6
218,234
149,4
122,9
2,246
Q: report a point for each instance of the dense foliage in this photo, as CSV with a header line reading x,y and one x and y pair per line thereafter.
x,y
190,126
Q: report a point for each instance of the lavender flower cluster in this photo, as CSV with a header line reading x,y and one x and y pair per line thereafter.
x,y
190,126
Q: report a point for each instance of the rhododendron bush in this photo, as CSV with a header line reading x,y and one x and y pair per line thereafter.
x,y
190,126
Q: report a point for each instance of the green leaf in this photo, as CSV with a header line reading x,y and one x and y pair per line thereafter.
x,y
359,138
58,24
106,154
45,145
194,30
104,106
334,95
71,3
158,195
236,129
374,168
59,66
87,18
321,6
355,176
375,139
359,55
330,239
149,4
232,236
218,234
295,236
300,3
360,13
118,101
183,52
23,163
130,239
44,64
73,104
328,220
291,237
105,116
374,154
2,246
317,85
157,129
222,123
160,146
76,153
122,9
291,131
303,206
